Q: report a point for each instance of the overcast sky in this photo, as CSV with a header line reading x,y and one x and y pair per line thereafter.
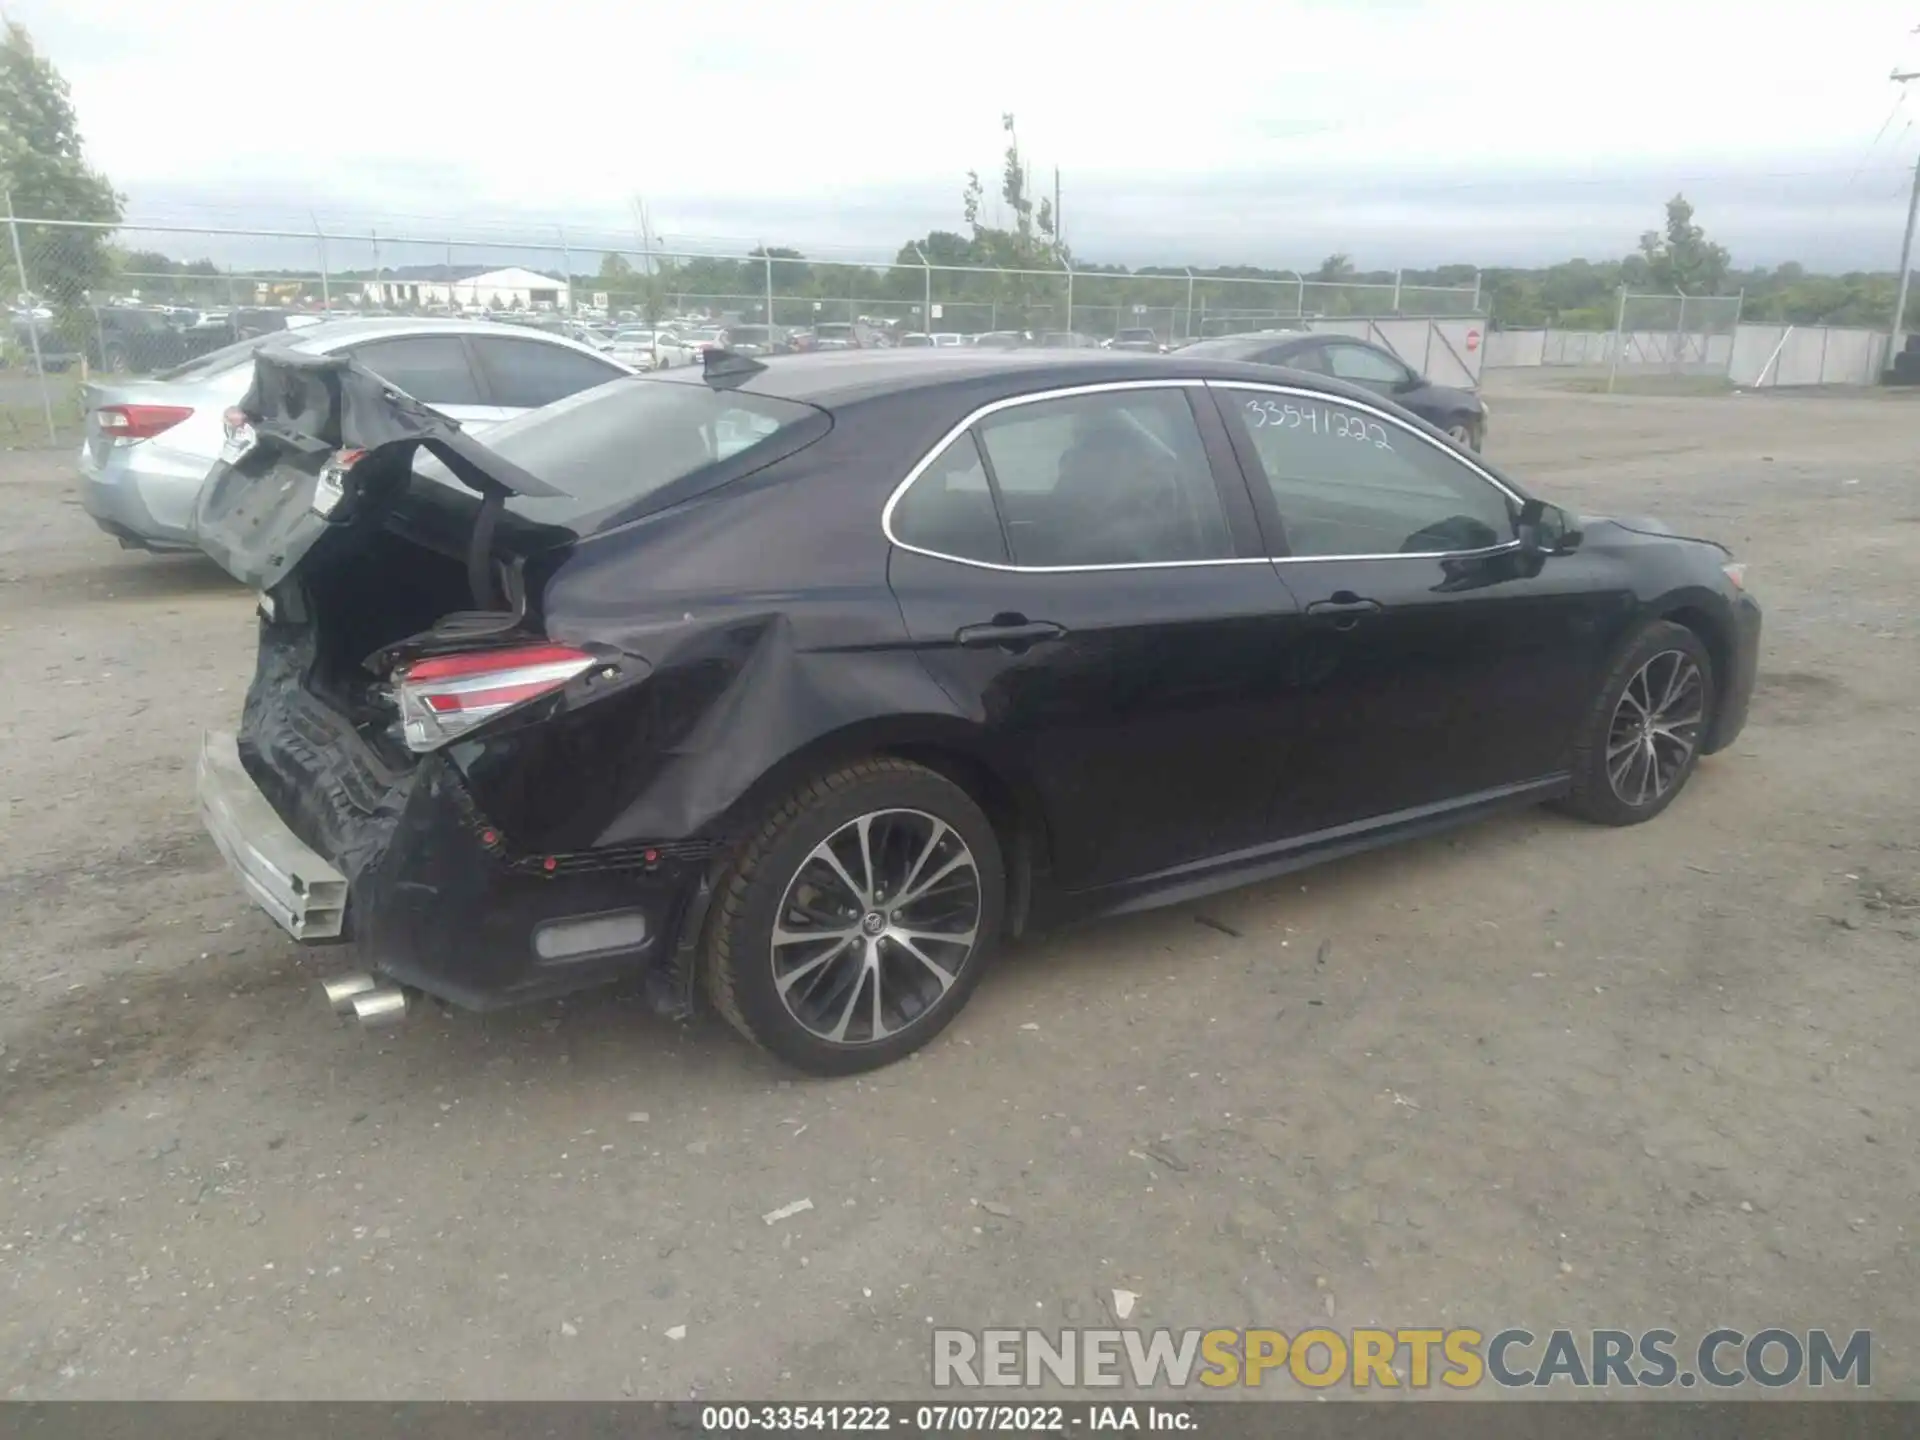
x,y
1207,132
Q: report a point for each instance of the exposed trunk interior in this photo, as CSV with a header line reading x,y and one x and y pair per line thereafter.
x,y
381,590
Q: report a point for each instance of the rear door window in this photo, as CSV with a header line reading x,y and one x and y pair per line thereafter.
x,y
526,374
433,369
1365,366
1117,478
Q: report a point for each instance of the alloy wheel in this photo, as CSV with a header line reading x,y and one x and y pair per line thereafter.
x,y
1655,728
875,926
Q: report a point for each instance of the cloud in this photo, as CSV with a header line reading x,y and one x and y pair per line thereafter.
x,y
1266,131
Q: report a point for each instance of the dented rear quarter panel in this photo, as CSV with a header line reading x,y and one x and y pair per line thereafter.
x,y
770,641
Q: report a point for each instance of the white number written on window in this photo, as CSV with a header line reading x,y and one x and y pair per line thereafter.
x,y
1328,420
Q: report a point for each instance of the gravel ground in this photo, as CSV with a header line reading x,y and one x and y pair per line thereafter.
x,y
1533,1073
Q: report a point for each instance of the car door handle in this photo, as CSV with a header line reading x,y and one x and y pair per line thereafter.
x,y
1344,610
1015,632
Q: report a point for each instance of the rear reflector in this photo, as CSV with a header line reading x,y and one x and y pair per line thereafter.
x,y
448,695
139,422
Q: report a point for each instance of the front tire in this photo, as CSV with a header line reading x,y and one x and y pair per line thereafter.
x,y
1640,742
852,928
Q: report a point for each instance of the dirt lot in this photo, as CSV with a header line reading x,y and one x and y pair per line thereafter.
x,y
1534,1073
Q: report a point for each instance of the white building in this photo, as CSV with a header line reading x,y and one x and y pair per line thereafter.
x,y
511,288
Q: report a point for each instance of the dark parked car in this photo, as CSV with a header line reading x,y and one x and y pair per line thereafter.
x,y
119,339
804,685
1460,413
758,340
1141,341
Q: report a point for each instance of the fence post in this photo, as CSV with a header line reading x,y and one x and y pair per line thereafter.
x,y
1396,292
926,301
33,323
326,286
1733,335
766,255
1189,331
1476,293
566,267
1619,339
1068,264
1680,337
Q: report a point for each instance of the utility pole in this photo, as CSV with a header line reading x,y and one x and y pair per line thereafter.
x,y
1901,77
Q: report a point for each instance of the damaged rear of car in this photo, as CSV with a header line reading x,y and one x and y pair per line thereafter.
x,y
478,741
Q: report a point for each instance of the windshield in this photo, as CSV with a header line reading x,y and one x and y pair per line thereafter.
x,y
1136,334
621,442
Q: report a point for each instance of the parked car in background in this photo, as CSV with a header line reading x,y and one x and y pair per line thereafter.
x,y
1461,414
914,340
704,338
645,349
1002,340
836,335
806,685
1141,341
150,442
1067,340
944,338
758,340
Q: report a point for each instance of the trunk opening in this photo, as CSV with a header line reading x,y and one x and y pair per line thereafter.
x,y
358,603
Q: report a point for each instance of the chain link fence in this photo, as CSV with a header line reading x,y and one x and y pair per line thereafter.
x,y
1673,335
140,299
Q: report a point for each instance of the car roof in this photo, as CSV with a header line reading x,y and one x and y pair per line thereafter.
x,y
332,334
850,377
1229,346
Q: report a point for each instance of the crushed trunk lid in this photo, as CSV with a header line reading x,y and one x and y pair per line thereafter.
x,y
320,429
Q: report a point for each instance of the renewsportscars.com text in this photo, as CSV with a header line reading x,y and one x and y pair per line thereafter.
x,y
1417,1359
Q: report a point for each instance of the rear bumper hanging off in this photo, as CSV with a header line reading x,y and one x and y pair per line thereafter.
x,y
304,894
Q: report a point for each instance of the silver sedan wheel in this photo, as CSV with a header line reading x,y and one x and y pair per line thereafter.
x,y
876,926
1655,728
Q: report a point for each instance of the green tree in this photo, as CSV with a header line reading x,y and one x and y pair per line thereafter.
x,y
1333,270
1682,258
44,170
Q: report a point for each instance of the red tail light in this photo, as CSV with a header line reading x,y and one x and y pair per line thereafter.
x,y
139,422
448,695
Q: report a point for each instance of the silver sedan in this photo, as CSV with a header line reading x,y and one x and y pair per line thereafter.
x,y
150,442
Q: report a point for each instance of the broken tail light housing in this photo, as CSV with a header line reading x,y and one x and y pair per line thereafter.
x,y
446,696
138,422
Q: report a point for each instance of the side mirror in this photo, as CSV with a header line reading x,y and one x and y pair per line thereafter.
x,y
1544,529
1411,383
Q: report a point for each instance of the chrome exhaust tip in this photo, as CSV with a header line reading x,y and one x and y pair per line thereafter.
x,y
341,990
381,1006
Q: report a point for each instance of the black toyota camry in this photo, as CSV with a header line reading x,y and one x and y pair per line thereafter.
x,y
802,685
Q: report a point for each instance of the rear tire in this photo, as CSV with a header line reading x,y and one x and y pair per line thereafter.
x,y
853,926
1640,742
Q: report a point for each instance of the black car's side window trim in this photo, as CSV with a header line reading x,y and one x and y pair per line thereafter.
x,y
1010,402
1263,496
